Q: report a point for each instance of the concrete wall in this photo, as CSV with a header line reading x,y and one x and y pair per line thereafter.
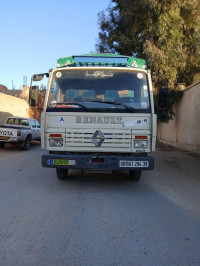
x,y
12,106
15,103
184,131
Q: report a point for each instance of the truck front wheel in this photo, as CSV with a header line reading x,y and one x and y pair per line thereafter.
x,y
135,175
61,173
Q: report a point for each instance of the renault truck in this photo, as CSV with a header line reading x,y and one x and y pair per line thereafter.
x,y
98,115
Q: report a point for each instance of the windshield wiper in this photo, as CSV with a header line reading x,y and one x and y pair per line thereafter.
x,y
127,107
73,103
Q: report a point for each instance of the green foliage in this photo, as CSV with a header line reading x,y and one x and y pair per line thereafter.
x,y
166,114
166,33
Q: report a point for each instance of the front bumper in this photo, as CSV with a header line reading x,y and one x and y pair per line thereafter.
x,y
8,140
101,162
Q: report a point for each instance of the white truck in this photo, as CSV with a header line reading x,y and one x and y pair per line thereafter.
x,y
98,115
20,130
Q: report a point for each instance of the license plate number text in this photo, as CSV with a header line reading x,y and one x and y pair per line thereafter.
x,y
134,164
61,162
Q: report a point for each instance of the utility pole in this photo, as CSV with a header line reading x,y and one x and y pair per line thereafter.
x,y
24,81
13,87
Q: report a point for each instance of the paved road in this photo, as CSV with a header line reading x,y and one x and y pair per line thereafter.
x,y
99,219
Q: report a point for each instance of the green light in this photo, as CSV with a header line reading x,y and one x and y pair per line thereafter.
x,y
113,60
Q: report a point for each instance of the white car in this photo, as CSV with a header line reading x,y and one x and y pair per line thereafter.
x,y
20,130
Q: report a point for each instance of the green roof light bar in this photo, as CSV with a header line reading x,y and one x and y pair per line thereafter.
x,y
101,60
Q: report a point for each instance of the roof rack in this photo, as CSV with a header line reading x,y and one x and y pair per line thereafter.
x,y
111,60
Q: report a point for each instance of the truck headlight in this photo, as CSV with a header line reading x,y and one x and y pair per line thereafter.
x,y
138,144
55,142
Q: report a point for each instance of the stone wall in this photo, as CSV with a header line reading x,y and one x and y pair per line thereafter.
x,y
184,131
16,106
35,111
12,106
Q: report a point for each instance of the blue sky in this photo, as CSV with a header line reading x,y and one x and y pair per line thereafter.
x,y
35,33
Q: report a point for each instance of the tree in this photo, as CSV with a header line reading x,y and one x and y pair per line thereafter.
x,y
3,88
166,33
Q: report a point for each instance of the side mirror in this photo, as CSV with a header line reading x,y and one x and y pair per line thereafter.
x,y
34,95
163,98
39,77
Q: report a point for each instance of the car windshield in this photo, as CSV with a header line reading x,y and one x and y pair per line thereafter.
x,y
99,90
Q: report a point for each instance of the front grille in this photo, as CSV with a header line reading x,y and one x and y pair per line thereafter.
x,y
117,140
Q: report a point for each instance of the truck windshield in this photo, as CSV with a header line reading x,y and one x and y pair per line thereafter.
x,y
99,90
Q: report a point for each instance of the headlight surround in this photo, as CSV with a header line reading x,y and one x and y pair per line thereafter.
x,y
55,142
140,144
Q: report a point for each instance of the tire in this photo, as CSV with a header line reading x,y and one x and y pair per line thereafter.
x,y
2,144
135,175
26,145
61,173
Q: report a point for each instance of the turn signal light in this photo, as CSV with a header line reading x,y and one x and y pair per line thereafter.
x,y
140,137
55,135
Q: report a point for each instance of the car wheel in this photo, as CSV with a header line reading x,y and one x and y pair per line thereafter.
x,y
2,144
61,173
27,144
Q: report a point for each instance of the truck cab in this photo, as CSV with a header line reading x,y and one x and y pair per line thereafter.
x,y
98,115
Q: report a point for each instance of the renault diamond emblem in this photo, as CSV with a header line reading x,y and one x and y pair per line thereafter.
x,y
98,138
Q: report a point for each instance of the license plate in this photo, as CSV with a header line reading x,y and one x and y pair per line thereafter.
x,y
61,162
134,164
